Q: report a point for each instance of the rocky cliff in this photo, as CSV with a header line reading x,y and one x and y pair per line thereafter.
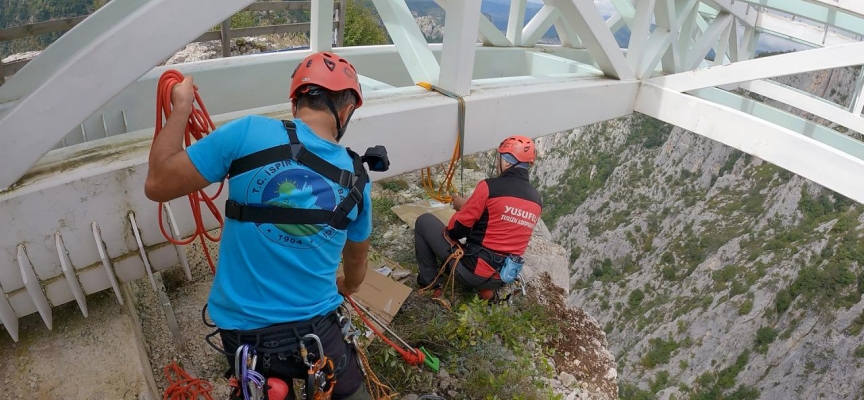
x,y
713,273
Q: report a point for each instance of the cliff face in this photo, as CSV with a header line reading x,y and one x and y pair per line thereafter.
x,y
711,270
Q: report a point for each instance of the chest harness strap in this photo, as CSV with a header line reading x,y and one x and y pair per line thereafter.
x,y
337,218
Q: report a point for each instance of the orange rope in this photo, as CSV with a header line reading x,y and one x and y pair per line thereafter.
x,y
377,389
198,125
411,356
442,194
182,386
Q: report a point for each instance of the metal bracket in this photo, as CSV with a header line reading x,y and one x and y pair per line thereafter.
x,y
69,272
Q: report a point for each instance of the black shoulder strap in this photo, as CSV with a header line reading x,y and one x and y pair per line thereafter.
x,y
338,218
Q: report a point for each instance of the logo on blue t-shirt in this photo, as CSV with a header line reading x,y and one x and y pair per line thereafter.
x,y
285,184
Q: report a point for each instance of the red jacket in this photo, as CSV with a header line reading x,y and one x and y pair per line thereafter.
x,y
499,216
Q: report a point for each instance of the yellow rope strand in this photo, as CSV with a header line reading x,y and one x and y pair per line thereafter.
x,y
442,193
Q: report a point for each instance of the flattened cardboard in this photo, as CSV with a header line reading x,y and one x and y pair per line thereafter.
x,y
380,294
410,211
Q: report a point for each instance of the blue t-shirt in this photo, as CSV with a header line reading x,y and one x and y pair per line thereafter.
x,y
269,274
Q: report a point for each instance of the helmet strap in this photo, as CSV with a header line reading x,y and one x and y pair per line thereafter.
x,y
340,129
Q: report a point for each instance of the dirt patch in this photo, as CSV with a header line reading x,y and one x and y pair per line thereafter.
x,y
581,343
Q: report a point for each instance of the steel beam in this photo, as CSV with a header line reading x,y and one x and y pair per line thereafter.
x,y
814,12
406,35
490,35
35,123
459,48
857,104
538,25
768,67
35,72
784,119
800,32
853,7
785,148
639,34
584,17
710,37
806,102
738,9
516,21
321,32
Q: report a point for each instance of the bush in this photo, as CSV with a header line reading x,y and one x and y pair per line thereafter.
x,y
745,307
660,353
764,337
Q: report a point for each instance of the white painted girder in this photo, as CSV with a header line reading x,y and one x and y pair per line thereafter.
x,y
95,74
857,104
767,67
783,119
799,31
738,9
709,39
538,25
52,58
853,7
814,12
458,50
639,34
488,33
787,149
516,21
586,20
321,30
413,49
806,102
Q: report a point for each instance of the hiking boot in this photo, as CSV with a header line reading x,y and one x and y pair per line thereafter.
x,y
486,294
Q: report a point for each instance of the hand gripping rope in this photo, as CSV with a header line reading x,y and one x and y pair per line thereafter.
x,y
198,126
442,194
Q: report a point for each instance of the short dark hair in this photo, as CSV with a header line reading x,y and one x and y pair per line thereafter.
x,y
340,99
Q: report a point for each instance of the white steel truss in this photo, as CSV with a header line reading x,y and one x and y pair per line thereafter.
x,y
102,231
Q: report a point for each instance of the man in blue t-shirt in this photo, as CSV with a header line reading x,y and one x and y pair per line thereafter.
x,y
277,281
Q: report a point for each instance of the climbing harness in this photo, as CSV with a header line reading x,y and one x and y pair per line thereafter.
x,y
442,194
321,376
356,181
198,126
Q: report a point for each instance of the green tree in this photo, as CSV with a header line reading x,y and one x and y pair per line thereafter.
x,y
361,26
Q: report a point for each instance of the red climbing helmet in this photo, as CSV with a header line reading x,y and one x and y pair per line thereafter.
x,y
328,71
520,147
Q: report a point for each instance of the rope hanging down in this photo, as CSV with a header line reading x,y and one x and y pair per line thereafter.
x,y
198,125
442,194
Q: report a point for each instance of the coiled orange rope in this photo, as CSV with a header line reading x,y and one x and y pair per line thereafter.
x,y
198,126
182,386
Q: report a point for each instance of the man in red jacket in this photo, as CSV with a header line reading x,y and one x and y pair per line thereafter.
x,y
496,221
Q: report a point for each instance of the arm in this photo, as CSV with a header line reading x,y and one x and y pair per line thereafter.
x,y
461,223
354,254
171,173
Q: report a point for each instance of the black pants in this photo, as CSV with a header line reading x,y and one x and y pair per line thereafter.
x,y
284,361
432,249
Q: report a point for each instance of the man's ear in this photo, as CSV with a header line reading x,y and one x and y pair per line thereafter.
x,y
345,113
294,108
